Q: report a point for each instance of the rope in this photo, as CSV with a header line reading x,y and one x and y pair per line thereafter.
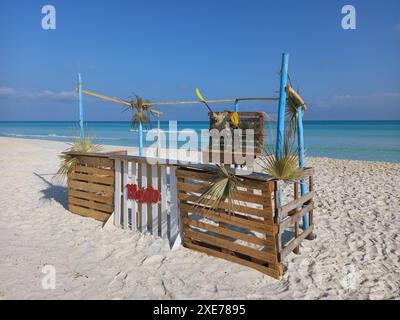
x,y
208,101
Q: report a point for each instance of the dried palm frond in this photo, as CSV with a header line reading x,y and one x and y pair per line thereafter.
x,y
222,187
283,168
291,114
68,163
293,102
219,120
141,115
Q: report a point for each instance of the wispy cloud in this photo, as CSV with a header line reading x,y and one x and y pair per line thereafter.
x,y
16,93
371,100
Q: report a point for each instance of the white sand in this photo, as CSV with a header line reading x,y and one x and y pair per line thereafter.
x,y
356,254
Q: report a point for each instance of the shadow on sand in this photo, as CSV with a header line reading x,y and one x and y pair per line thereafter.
x,y
53,192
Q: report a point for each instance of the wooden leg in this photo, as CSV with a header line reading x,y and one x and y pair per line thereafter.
x,y
310,214
296,224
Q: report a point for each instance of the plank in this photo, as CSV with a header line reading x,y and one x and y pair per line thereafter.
x,y
132,203
117,194
245,181
239,209
91,213
144,205
239,222
229,233
290,220
154,206
272,272
174,211
91,204
296,250
240,195
92,178
91,196
295,242
93,187
124,194
296,203
96,161
163,190
97,171
270,258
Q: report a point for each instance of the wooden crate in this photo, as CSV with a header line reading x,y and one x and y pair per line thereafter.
x,y
247,236
91,186
250,120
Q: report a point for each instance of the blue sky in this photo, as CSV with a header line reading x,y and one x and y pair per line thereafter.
x,y
162,50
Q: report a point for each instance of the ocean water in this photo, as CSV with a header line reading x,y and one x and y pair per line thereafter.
x,y
359,140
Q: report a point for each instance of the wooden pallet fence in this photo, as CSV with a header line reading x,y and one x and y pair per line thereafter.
x,y
159,219
91,186
247,120
292,213
245,236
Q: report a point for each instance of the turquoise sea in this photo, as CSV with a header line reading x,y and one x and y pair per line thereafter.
x,y
362,140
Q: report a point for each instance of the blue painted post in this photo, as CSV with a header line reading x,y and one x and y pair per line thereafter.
x,y
81,132
140,139
280,132
236,105
300,142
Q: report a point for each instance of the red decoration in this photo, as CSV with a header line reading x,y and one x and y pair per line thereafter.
x,y
143,195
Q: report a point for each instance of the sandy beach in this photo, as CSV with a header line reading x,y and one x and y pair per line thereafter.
x,y
356,254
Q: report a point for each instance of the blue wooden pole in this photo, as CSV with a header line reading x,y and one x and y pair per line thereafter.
x,y
300,142
140,139
280,131
236,105
81,132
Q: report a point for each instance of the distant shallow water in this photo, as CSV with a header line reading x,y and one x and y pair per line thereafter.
x,y
357,140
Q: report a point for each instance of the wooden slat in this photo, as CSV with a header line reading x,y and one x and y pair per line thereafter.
x,y
174,213
133,204
229,233
244,182
117,195
163,190
268,271
98,215
290,220
240,195
296,250
93,187
296,203
237,208
97,171
92,178
139,205
96,161
295,243
225,244
143,228
311,212
154,206
124,194
91,204
213,215
91,196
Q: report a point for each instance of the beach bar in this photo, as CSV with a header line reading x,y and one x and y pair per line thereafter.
x,y
219,207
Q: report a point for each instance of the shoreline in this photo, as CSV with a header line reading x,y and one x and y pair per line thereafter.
x,y
110,147
355,254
